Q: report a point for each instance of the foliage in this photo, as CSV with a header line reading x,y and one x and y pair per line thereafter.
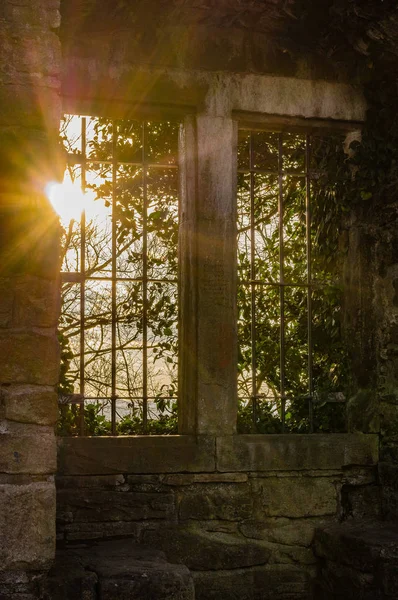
x,y
143,202
329,369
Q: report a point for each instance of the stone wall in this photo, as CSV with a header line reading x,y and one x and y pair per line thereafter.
x,y
239,511
371,312
29,118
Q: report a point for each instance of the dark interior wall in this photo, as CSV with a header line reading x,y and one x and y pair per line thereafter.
x,y
212,36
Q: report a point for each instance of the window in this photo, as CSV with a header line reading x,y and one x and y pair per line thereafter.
x,y
119,322
291,357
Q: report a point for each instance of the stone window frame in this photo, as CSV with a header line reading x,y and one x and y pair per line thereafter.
x,y
211,107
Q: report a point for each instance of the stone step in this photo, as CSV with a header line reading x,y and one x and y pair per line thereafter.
x,y
116,570
357,561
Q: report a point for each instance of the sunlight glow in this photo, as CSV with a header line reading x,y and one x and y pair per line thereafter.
x,y
69,201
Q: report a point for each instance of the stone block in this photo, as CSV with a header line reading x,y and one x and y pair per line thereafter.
x,y
29,358
68,579
259,583
295,452
19,585
389,579
94,506
207,551
96,531
361,502
116,570
102,482
292,532
34,51
27,523
349,584
358,545
35,108
27,448
37,302
188,479
294,497
7,302
138,454
29,404
229,502
41,15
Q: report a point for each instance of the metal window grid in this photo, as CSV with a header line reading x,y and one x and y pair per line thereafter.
x,y
81,158
254,283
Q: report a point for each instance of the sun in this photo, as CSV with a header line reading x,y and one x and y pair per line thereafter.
x,y
69,201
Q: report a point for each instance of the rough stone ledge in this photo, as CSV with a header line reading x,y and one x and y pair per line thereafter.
x,y
293,452
357,560
135,454
206,454
360,544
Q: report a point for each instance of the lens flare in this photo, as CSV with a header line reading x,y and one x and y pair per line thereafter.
x,y
67,199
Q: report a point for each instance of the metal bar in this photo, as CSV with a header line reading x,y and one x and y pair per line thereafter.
x,y
68,277
130,397
114,309
298,174
286,284
82,281
72,159
144,285
253,288
281,281
309,281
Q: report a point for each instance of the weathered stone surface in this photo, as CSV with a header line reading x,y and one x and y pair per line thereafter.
x,y
27,448
259,583
292,532
29,358
94,481
22,105
29,404
216,281
204,551
188,479
295,452
360,545
27,523
152,454
388,476
68,579
341,582
116,571
363,412
37,302
41,15
216,501
361,502
39,53
90,505
20,585
7,302
98,531
294,497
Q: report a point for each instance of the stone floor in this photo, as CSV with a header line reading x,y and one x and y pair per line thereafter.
x,y
116,570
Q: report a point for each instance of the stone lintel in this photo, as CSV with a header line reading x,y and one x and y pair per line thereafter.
x,y
291,452
220,93
140,454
